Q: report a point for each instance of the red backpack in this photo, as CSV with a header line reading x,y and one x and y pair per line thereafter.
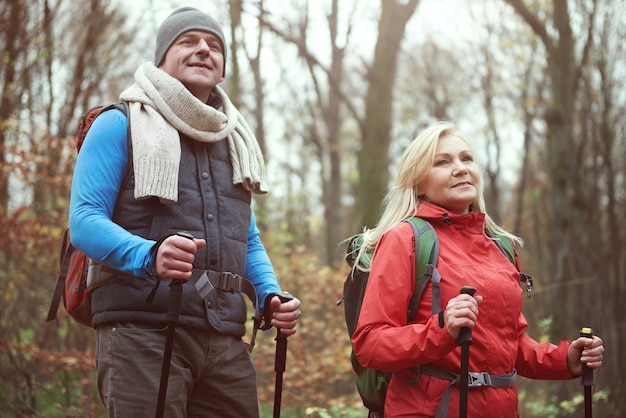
x,y
71,283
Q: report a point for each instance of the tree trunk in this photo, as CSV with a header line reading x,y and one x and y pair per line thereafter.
x,y
373,159
12,49
582,238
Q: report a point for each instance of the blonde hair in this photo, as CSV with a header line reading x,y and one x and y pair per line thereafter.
x,y
403,198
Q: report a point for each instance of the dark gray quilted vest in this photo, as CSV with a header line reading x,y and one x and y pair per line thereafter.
x,y
209,206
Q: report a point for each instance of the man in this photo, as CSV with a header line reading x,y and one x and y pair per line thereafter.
x,y
180,205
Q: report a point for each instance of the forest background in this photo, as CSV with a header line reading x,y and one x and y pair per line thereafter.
x,y
335,90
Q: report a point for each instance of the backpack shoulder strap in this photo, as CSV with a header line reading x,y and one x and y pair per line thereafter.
x,y
354,246
123,107
505,245
426,255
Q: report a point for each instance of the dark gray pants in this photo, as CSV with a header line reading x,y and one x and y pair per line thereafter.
x,y
211,375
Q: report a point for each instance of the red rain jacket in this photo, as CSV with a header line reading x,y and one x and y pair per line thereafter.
x,y
467,256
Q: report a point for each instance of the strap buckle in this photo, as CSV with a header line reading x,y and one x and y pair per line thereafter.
x,y
226,281
230,282
478,379
529,281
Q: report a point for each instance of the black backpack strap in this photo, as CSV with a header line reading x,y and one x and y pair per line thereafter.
x,y
123,107
59,287
211,280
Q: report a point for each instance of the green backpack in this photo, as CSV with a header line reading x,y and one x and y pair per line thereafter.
x,y
372,384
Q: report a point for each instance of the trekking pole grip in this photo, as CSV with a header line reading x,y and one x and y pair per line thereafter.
x,y
176,290
281,340
587,375
465,336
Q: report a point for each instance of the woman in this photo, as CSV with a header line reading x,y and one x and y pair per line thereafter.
x,y
440,181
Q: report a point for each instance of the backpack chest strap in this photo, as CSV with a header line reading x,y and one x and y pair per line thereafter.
x,y
476,379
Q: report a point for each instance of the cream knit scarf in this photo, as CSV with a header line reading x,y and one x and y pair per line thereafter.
x,y
160,106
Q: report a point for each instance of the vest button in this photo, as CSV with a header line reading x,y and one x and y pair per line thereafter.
x,y
210,217
205,175
213,261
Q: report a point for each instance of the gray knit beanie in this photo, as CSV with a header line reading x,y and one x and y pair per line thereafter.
x,y
181,21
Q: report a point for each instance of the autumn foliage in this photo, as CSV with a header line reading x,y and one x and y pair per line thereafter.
x,y
48,369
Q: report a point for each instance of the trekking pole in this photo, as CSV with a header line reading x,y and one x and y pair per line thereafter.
x,y
173,312
279,367
280,362
587,377
464,340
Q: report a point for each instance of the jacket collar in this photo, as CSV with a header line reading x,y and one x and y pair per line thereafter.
x,y
440,216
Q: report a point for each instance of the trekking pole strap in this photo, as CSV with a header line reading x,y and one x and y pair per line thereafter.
x,y
475,379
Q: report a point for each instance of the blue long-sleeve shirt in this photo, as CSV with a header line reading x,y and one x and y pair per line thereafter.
x,y
101,167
